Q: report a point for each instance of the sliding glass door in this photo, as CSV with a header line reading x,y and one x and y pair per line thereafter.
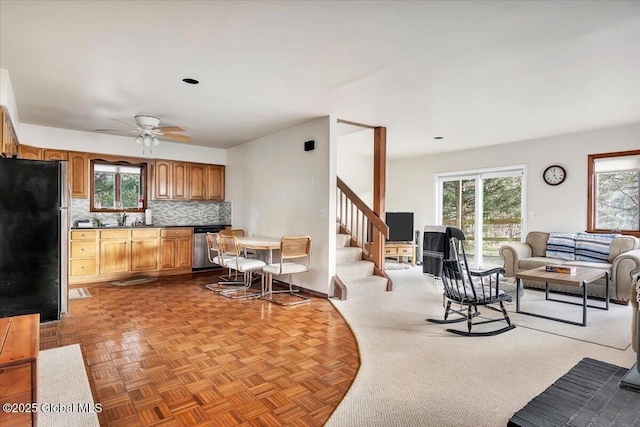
x,y
487,206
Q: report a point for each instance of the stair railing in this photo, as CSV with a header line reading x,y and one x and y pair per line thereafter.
x,y
366,228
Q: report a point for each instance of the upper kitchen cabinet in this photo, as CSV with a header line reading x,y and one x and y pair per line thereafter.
x,y
8,137
215,182
79,174
180,187
197,181
162,180
187,181
30,153
55,155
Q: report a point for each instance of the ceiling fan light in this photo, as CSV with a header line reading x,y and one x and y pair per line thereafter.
x,y
139,139
147,140
155,141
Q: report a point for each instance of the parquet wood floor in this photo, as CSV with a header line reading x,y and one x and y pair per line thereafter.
x,y
172,353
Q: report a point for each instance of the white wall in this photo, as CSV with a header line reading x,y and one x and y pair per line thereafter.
x,y
355,163
410,182
8,99
278,189
48,137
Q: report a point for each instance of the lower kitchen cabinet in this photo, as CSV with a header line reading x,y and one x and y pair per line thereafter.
x,y
176,248
97,255
114,251
83,250
144,249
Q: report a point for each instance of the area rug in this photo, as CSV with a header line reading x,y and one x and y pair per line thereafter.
x,y
393,265
610,328
64,394
78,293
587,395
134,281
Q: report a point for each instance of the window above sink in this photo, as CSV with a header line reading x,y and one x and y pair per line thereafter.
x,y
117,186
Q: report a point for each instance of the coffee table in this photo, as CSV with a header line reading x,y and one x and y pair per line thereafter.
x,y
581,278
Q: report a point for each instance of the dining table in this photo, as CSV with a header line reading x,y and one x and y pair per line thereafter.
x,y
262,243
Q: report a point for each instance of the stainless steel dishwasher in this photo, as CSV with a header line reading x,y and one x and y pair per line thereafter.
x,y
200,248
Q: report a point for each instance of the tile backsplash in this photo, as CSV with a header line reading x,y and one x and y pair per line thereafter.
x,y
164,213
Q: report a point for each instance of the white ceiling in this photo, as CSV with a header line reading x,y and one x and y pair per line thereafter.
x,y
476,72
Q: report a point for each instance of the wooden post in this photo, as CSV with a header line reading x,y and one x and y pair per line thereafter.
x,y
379,188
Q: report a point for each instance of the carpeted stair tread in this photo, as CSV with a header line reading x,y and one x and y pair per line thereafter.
x,y
354,269
348,254
342,240
363,286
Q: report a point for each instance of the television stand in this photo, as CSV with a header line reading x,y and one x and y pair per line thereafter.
x,y
399,250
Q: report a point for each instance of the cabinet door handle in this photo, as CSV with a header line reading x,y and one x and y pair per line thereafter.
x,y
82,249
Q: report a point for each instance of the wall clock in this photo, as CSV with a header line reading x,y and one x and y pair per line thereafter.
x,y
554,175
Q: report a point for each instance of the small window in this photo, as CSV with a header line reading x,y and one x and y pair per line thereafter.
x,y
117,186
614,192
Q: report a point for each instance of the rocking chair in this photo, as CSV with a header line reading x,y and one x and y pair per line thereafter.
x,y
462,286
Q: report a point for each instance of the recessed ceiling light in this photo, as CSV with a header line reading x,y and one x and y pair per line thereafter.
x,y
438,137
191,81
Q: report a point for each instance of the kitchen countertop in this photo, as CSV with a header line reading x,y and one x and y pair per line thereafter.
x,y
150,226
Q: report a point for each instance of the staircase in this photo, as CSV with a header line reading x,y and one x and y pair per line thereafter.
x,y
357,275
359,247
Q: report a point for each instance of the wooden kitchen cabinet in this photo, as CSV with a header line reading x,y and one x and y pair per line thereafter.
x,y
79,174
197,181
99,255
215,182
114,251
162,180
187,181
83,256
176,248
30,153
55,155
8,137
179,180
144,249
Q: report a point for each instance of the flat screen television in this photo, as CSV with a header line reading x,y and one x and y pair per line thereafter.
x,y
400,226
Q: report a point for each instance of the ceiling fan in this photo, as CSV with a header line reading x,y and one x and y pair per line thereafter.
x,y
148,130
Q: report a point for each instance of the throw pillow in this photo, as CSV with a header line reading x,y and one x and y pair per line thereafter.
x,y
593,247
561,245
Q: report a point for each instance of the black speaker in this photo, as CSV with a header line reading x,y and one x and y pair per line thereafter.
x,y
309,145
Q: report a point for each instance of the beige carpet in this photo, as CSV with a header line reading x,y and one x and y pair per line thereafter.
x,y
413,373
64,394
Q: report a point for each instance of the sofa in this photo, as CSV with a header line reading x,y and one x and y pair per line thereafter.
x,y
622,263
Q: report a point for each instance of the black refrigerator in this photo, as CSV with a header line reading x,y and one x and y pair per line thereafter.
x,y
34,233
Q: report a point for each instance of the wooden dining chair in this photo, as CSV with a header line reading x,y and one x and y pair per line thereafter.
x,y
291,248
237,262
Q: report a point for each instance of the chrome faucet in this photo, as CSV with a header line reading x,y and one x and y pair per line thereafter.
x,y
124,218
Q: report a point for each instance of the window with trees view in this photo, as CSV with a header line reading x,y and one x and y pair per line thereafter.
x,y
614,192
116,186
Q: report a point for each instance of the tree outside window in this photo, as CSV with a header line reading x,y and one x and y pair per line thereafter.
x,y
116,186
614,192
